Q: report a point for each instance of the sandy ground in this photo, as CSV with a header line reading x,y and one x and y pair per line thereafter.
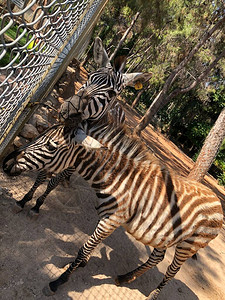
x,y
33,252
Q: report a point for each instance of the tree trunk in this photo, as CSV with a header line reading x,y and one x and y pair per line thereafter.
x,y
136,100
152,110
163,98
124,36
209,149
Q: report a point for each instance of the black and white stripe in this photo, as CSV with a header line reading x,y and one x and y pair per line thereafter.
x,y
101,88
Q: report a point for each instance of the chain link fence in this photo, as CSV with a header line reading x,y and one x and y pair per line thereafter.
x,y
37,40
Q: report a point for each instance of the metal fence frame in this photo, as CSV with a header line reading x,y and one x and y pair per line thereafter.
x,y
73,46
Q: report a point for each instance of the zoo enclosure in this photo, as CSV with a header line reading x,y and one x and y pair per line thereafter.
x,y
38,38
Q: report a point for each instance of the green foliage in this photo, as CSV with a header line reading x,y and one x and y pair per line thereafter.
x,y
220,164
187,118
187,122
12,33
164,34
5,60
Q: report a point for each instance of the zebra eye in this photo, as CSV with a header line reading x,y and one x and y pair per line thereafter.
x,y
112,93
51,145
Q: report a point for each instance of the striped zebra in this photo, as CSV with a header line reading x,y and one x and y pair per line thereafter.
x,y
58,172
99,92
134,190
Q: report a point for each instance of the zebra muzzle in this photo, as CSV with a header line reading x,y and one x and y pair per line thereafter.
x,y
10,166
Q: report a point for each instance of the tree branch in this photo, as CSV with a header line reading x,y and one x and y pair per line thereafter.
x,y
124,36
195,82
162,98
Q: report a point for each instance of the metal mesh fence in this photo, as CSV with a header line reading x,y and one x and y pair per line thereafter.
x,y
36,40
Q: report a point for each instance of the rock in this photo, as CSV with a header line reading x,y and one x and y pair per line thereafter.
x,y
53,101
54,93
39,122
61,100
29,131
61,91
20,141
44,112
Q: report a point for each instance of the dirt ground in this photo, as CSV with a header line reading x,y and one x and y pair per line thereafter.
x,y
34,251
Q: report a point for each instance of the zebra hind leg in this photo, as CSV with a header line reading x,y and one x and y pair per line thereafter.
x,y
19,205
156,256
181,255
66,181
34,212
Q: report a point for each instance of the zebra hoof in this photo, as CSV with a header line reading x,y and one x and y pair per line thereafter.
x,y
33,214
127,278
17,208
47,291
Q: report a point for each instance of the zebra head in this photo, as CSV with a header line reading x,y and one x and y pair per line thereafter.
x,y
51,151
96,96
36,154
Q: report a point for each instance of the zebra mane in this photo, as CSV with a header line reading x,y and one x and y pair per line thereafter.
x,y
120,138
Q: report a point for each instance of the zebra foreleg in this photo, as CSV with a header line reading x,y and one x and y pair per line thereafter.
x,y
103,230
156,256
181,255
19,205
51,186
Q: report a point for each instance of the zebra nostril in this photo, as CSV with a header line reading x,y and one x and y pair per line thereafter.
x,y
10,160
6,167
68,128
11,169
73,119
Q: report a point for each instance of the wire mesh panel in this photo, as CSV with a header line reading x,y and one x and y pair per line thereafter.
x,y
35,38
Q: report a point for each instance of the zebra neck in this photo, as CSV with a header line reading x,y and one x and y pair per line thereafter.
x,y
119,139
95,165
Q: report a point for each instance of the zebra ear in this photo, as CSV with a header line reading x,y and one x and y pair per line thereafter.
x,y
132,78
86,140
100,55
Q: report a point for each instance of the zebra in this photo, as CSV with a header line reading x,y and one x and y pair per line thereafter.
x,y
99,92
59,172
134,190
